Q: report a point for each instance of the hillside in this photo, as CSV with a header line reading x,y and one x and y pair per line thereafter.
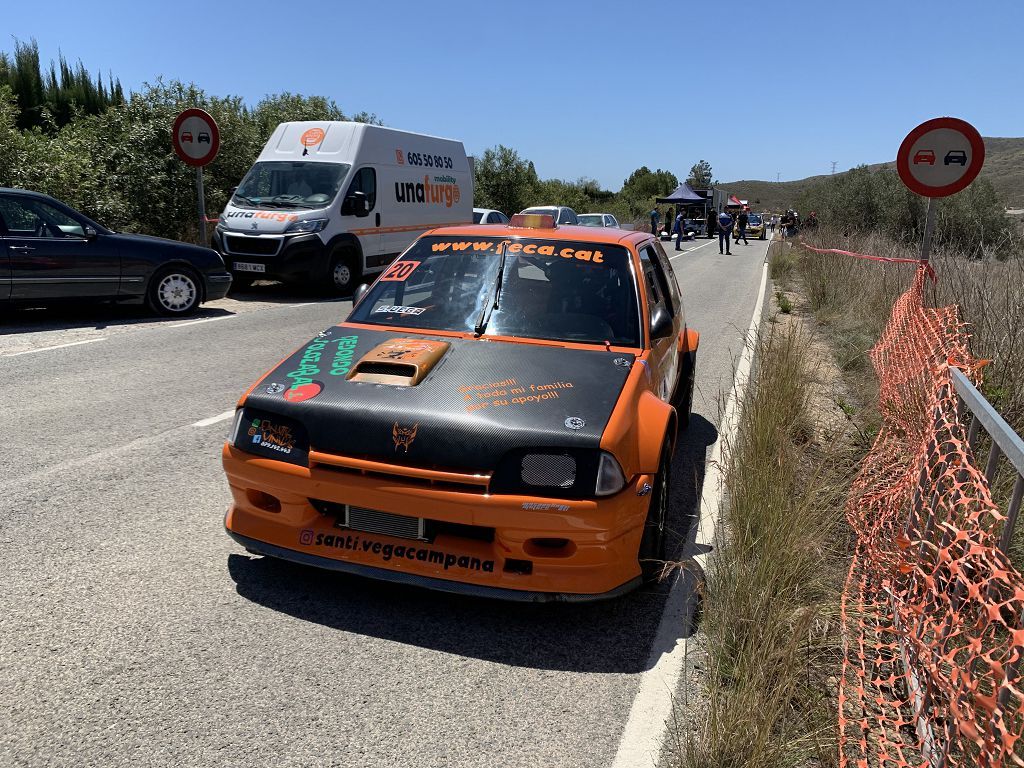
x,y
1004,167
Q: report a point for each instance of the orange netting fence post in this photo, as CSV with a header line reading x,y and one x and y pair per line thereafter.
x,y
932,607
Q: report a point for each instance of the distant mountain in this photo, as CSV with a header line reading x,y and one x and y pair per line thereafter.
x,y
1004,167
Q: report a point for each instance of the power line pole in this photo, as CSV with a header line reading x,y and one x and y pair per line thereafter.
x,y
833,167
777,175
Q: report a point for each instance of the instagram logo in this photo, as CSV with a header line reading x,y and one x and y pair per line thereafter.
x,y
306,536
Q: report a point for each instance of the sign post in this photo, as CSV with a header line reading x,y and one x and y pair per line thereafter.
x,y
196,141
939,158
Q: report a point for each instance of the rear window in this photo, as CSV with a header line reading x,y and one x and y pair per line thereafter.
x,y
477,215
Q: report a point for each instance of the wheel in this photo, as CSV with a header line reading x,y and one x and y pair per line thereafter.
x,y
343,274
651,554
682,399
174,291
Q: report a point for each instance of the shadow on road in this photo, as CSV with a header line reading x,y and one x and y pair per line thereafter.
x,y
608,637
75,315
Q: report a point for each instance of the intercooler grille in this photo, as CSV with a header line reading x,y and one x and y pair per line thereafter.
x,y
385,523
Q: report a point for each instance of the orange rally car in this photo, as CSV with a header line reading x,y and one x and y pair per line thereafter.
x,y
496,416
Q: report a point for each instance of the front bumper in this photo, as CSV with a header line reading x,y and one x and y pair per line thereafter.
x,y
299,257
599,561
217,286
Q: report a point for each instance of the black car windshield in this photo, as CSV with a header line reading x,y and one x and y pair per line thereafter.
x,y
551,289
275,184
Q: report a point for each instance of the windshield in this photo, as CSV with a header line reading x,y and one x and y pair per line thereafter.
x,y
477,215
591,220
754,218
551,289
278,184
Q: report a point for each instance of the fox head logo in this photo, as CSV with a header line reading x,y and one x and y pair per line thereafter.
x,y
403,436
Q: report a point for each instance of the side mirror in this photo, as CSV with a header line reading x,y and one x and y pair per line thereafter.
x,y
661,323
90,233
361,291
356,204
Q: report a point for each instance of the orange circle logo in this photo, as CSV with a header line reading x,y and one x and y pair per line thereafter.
x,y
312,137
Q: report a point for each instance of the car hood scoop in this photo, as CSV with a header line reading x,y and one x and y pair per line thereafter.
x,y
442,402
399,362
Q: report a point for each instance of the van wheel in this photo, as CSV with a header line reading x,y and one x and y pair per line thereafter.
x,y
343,274
174,291
682,400
651,554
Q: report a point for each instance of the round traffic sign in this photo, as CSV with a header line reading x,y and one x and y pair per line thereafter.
x,y
940,157
195,137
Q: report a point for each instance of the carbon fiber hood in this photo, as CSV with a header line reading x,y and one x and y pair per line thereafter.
x,y
481,399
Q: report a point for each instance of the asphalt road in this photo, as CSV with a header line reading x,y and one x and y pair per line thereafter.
x,y
134,632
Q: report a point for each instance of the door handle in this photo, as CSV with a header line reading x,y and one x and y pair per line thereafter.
x,y
378,219
20,248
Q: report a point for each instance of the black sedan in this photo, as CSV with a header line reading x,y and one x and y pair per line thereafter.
x,y
50,252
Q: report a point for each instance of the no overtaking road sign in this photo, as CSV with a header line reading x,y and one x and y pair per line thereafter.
x,y
940,157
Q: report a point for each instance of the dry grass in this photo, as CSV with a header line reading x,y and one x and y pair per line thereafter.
x,y
771,604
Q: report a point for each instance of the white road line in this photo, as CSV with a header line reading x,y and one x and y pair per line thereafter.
x,y
651,714
55,346
204,320
214,419
690,250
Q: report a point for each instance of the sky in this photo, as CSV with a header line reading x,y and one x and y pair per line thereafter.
x,y
583,89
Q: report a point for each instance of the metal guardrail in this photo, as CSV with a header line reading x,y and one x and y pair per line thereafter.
x,y
1005,442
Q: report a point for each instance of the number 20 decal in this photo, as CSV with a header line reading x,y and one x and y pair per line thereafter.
x,y
399,271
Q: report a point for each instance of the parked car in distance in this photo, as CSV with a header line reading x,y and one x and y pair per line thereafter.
x,y
755,226
560,213
50,252
597,220
489,216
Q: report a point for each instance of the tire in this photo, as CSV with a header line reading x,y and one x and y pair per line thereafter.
x,y
651,554
174,291
343,273
682,399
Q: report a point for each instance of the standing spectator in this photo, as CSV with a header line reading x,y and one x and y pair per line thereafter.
x,y
772,222
812,221
712,223
677,229
724,231
655,218
741,226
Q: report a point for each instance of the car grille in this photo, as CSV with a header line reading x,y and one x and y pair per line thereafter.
x,y
252,246
398,526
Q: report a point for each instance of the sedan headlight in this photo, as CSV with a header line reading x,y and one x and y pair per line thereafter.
x,y
306,225
610,478
548,470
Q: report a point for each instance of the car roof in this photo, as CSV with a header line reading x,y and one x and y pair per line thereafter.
x,y
596,214
562,232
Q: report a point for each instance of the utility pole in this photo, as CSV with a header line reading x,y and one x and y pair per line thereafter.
x,y
833,167
777,176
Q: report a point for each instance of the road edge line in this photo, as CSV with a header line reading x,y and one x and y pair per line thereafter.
x,y
643,737
55,346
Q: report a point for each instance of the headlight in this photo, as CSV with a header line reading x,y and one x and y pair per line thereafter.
x,y
610,478
271,436
306,225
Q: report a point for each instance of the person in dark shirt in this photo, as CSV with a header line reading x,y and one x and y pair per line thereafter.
x,y
741,227
712,223
655,217
724,232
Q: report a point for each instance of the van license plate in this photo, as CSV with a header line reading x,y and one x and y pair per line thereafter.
x,y
245,266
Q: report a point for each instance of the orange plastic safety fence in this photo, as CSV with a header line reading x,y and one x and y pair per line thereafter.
x,y
932,610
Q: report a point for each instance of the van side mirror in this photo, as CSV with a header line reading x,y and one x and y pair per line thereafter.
x,y
661,323
356,204
361,291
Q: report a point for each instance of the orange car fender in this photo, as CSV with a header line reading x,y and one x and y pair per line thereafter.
x,y
689,340
657,421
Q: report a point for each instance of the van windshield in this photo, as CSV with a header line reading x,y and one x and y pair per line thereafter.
x,y
550,289
281,184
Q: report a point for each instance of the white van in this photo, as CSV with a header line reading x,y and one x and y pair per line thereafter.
x,y
329,202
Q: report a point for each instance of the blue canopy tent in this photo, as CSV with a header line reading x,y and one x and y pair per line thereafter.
x,y
684,198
